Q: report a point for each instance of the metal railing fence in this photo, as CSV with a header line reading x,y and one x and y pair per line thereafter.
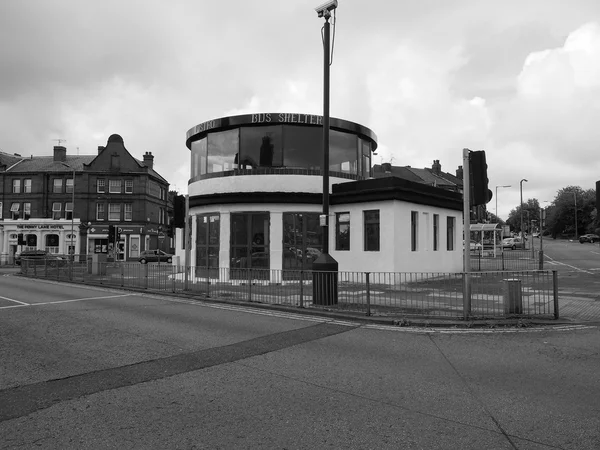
x,y
492,294
485,260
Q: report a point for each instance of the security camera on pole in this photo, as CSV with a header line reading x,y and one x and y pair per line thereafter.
x,y
325,268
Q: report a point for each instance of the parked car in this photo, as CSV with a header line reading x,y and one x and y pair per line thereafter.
x,y
474,246
39,258
154,256
513,243
258,260
591,238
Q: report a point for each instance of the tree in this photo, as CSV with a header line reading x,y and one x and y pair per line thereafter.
x,y
572,204
531,212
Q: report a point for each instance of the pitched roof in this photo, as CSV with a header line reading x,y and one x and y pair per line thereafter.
x,y
6,159
426,176
47,164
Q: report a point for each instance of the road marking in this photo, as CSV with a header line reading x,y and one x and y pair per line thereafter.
x,y
80,299
21,304
568,265
13,300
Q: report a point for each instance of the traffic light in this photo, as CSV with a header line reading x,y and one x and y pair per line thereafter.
x,y
480,194
118,233
179,211
111,233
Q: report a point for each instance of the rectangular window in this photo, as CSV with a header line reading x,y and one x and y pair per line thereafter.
x,y
68,210
371,227
57,185
414,230
101,185
56,210
14,210
16,186
342,231
114,186
100,211
27,185
436,232
26,210
69,185
129,186
128,213
114,211
450,225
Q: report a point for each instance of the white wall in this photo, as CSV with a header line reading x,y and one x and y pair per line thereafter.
x,y
395,253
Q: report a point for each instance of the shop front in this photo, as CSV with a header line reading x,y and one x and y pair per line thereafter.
x,y
42,234
129,241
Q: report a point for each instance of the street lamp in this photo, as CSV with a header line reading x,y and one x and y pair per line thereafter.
x,y
521,189
72,208
575,199
507,186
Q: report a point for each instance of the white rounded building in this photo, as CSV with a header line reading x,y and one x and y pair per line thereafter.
x,y
255,196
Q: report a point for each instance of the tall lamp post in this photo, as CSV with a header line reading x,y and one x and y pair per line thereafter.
x,y
575,199
521,189
325,268
507,186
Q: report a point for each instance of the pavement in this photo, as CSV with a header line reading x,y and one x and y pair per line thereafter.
x,y
578,304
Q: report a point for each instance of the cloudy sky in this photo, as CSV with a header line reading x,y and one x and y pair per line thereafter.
x,y
517,78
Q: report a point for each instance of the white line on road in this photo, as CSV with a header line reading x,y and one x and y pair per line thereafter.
x,y
81,299
568,265
13,300
22,305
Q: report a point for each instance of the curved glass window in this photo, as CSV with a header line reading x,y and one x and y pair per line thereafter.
x,y
261,147
198,166
279,146
343,152
303,147
222,150
366,158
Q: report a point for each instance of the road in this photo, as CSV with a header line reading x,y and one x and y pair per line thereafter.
x,y
578,265
88,368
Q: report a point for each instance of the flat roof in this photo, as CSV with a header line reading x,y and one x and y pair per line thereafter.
x,y
278,118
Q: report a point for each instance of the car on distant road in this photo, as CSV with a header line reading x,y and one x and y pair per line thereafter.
x,y
591,238
39,258
148,256
474,246
513,243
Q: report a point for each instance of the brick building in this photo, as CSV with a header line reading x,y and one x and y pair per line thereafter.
x,y
65,203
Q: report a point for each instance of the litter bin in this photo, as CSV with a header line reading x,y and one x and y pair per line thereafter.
x,y
325,280
513,296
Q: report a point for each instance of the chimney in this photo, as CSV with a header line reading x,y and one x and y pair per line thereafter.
x,y
148,159
60,153
100,148
436,167
459,172
387,167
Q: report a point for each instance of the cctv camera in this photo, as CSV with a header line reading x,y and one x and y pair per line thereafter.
x,y
326,8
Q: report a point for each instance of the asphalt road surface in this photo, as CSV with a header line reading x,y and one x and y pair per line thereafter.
x,y
87,368
578,265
